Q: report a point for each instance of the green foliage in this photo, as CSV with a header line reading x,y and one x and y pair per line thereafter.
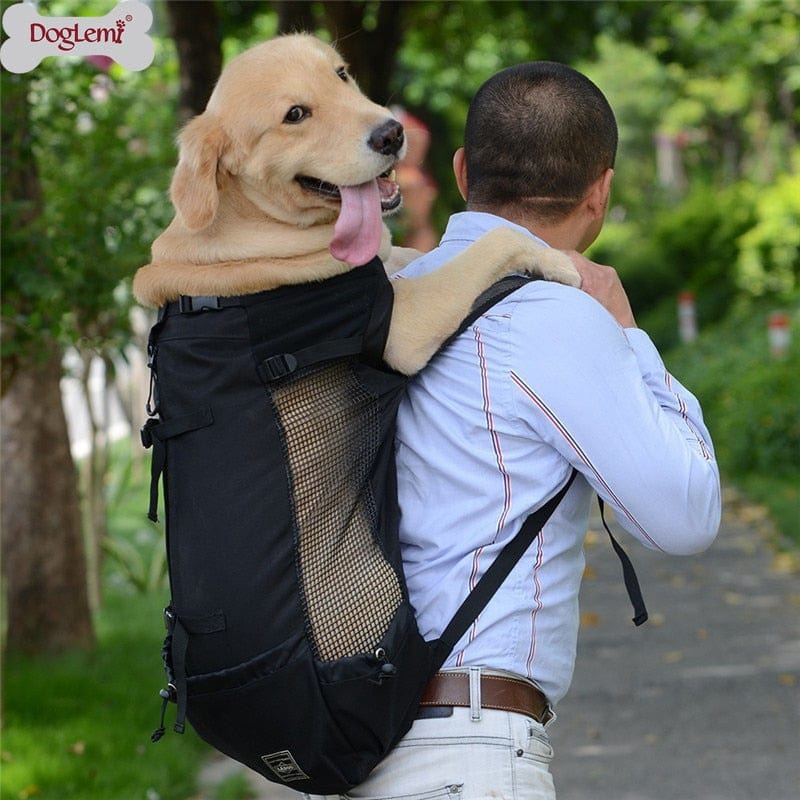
x,y
769,255
720,243
721,78
450,48
736,69
261,25
135,545
103,147
638,106
142,564
23,255
749,398
688,246
448,51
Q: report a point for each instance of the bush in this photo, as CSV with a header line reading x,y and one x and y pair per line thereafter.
x,y
749,398
691,245
769,258
757,420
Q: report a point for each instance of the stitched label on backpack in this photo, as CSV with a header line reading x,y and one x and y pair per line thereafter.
x,y
284,766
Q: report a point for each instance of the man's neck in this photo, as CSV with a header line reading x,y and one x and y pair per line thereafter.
x,y
566,234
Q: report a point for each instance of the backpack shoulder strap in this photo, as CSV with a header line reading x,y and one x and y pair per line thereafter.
x,y
500,569
628,573
493,578
493,295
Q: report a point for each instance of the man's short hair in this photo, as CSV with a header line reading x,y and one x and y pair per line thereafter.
x,y
537,136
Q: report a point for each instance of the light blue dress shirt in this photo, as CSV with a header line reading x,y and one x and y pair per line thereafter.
x,y
491,428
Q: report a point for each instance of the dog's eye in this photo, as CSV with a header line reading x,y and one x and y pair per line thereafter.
x,y
296,114
342,73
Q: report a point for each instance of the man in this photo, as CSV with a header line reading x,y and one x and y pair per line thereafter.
x,y
549,379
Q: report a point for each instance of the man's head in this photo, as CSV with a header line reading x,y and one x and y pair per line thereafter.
x,y
538,137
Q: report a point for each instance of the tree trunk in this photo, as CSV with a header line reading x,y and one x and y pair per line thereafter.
x,y
43,556
370,51
295,16
194,26
47,606
367,36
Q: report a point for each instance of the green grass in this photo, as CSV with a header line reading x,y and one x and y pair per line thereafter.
x,y
77,726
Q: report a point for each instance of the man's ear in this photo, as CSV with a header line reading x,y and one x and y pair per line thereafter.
x,y
460,171
599,193
194,189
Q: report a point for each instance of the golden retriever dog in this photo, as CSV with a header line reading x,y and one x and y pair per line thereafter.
x,y
284,179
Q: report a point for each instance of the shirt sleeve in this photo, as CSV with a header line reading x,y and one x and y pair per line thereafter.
x,y
602,398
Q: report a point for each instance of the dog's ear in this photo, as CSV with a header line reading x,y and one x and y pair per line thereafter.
x,y
195,189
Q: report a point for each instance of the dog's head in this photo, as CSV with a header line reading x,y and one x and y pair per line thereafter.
x,y
288,131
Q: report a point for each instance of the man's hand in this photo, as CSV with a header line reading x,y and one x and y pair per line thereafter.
x,y
603,283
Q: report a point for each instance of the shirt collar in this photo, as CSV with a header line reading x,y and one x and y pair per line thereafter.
x,y
468,226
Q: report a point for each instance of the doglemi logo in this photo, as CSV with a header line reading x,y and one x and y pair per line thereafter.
x,y
120,35
284,766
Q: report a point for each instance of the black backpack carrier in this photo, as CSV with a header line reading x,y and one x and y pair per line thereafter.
x,y
291,643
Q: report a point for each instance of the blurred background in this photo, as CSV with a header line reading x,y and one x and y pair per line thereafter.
x,y
704,228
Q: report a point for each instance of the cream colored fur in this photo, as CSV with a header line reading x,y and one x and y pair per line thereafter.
x,y
243,224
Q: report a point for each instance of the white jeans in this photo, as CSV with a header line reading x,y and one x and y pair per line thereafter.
x,y
503,756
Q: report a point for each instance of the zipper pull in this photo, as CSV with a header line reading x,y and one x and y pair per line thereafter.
x,y
166,696
387,669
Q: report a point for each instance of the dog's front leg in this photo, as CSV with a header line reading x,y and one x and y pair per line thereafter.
x,y
430,308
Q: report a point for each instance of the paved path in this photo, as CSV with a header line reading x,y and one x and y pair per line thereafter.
x,y
702,702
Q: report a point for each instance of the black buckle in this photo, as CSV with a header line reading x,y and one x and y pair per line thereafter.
x,y
278,366
192,305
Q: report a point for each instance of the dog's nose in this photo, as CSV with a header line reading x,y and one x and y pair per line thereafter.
x,y
388,138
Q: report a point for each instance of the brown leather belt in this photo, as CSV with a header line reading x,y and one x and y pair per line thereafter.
x,y
497,691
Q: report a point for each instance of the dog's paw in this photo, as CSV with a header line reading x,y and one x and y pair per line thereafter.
x,y
518,252
554,265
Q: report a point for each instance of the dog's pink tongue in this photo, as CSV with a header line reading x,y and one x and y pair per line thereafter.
x,y
357,234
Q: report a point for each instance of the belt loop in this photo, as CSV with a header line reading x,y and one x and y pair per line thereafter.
x,y
475,694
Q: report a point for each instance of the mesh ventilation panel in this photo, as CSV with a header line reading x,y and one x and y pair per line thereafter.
x,y
331,435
